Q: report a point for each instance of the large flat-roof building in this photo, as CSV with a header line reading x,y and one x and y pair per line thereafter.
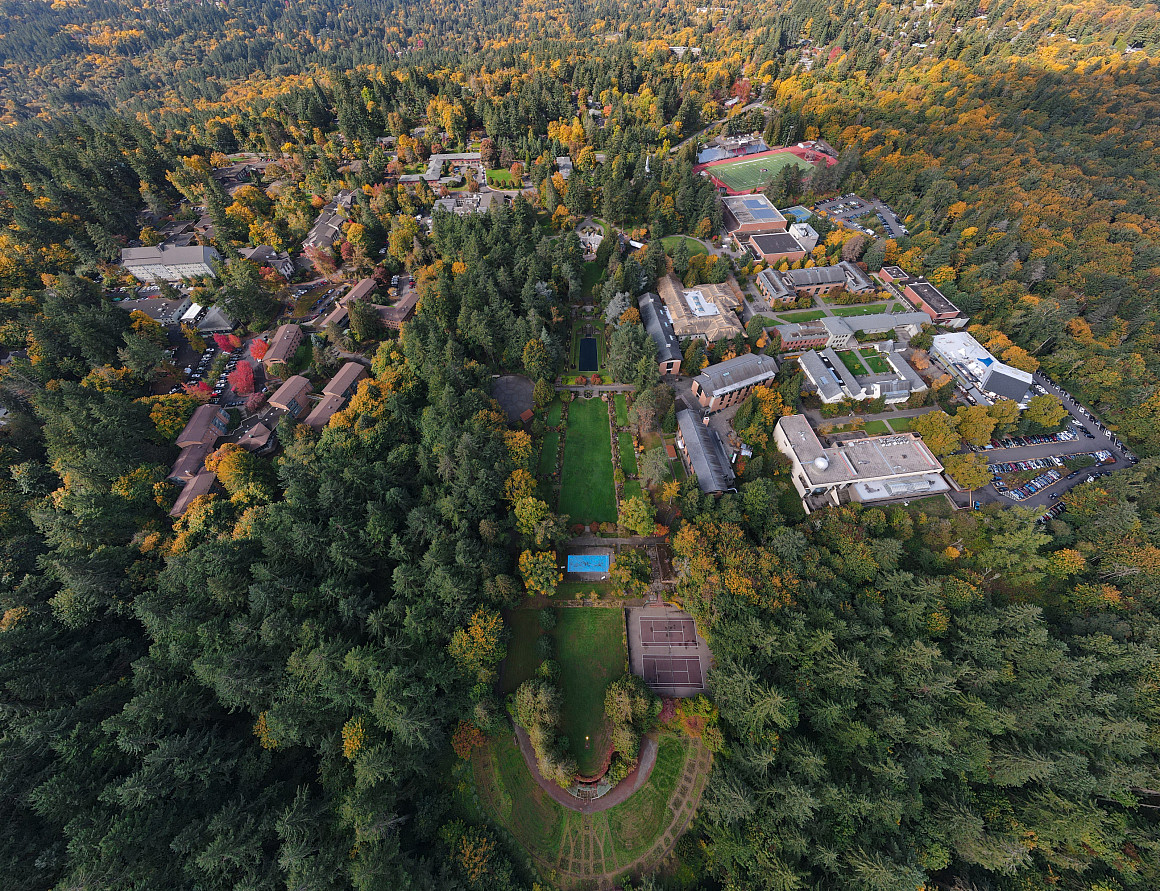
x,y
728,383
704,311
839,333
703,454
746,215
791,246
870,469
925,296
169,263
981,374
656,322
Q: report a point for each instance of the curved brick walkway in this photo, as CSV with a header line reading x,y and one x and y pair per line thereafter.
x,y
632,782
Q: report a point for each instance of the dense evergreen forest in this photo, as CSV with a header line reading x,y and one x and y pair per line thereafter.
x,y
263,694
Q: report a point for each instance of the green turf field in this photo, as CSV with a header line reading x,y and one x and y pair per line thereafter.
x,y
875,362
753,173
627,455
876,427
548,453
591,651
555,412
586,491
900,425
807,316
621,410
873,309
851,361
523,627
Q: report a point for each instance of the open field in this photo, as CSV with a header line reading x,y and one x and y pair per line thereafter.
x,y
591,651
579,849
695,247
589,276
852,362
871,309
753,173
810,315
586,491
501,178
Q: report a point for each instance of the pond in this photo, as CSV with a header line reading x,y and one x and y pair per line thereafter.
x,y
589,356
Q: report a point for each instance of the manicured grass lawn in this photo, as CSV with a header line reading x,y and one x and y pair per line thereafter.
x,y
555,412
591,651
671,241
558,837
754,173
873,360
501,178
808,316
587,494
900,425
621,410
523,626
548,453
852,362
872,310
627,455
876,427
589,276
632,489
572,590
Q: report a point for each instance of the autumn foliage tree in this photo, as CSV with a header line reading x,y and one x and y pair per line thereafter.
x,y
242,379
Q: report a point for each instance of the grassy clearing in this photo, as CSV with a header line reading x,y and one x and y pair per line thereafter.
x,y
671,241
900,425
588,845
592,653
872,310
548,453
586,490
811,315
876,427
555,412
852,362
627,455
621,410
589,276
501,178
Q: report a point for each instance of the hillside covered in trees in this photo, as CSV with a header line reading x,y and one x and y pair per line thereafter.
x,y
265,693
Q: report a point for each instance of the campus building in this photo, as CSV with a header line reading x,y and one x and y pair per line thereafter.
x,y
283,345
728,383
834,381
746,215
704,311
790,246
703,454
983,376
868,469
924,296
656,322
264,255
784,287
839,333
293,397
168,262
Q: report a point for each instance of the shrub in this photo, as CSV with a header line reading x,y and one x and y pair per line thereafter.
x,y
547,618
545,646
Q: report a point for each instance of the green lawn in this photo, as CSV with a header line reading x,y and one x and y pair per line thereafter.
x,y
523,627
900,425
591,651
548,453
563,838
671,241
587,494
852,362
555,412
753,173
627,454
501,178
572,590
632,489
871,310
874,360
807,316
589,276
876,427
621,410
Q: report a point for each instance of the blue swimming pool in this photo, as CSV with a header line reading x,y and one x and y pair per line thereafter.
x,y
588,563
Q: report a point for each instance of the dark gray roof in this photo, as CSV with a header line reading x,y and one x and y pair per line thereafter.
x,y
1002,382
706,453
817,275
659,328
931,296
856,278
776,243
775,282
825,380
735,374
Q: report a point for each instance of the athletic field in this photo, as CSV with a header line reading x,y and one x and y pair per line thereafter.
x,y
746,174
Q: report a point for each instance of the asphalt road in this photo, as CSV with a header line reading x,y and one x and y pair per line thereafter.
x,y
1042,498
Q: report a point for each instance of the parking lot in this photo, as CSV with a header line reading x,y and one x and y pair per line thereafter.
x,y
847,209
1091,438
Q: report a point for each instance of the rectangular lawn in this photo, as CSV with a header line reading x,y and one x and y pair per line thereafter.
x,y
852,362
621,410
587,494
872,309
876,363
591,652
555,412
808,316
755,172
523,627
876,427
627,454
548,453
900,425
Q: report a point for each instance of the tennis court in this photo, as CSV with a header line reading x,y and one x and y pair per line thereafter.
x,y
668,632
673,671
746,174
